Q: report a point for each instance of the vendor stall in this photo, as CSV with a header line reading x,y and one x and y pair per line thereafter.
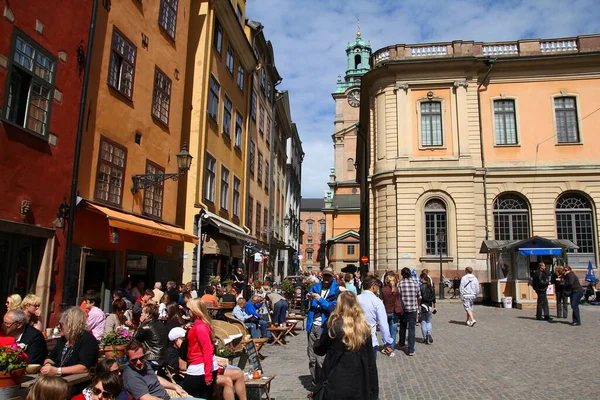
x,y
512,262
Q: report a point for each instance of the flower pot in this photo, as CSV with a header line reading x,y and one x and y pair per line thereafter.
x,y
114,351
12,378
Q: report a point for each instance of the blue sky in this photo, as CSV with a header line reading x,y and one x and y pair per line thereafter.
x,y
310,37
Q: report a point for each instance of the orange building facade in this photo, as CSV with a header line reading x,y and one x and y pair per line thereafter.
x,y
313,239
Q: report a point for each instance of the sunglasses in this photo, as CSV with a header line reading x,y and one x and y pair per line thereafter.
x,y
135,360
102,393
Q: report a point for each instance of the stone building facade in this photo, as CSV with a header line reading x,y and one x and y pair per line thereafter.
x,y
478,141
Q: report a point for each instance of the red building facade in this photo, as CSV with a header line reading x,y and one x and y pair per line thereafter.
x,y
42,46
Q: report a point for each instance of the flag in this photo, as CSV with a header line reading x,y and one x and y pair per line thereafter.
x,y
590,276
113,235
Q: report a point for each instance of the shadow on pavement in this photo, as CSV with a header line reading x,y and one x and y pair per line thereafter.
x,y
306,381
463,323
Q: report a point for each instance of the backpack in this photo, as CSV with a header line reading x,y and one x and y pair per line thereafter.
x,y
427,294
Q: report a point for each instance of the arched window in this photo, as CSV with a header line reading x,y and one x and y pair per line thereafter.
x,y
309,254
436,241
574,222
357,61
511,218
350,164
309,226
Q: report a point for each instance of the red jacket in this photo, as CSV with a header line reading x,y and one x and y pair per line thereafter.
x,y
200,347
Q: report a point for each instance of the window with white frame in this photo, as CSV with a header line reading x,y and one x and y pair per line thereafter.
x,y
239,120
309,226
505,122
259,172
213,98
435,228
161,98
210,172
218,37
575,222
229,60
567,126
261,119
30,86
350,249
511,218
224,188
111,172
240,77
309,254
122,64
167,17
268,129
267,176
321,226
236,196
153,195
227,109
431,123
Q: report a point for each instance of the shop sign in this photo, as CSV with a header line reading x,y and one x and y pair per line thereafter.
x,y
258,257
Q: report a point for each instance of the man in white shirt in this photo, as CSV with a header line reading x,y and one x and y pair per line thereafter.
x,y
158,293
375,315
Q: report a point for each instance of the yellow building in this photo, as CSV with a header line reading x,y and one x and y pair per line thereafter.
x,y
463,143
220,62
126,229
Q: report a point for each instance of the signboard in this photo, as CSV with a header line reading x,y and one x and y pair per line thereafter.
x,y
251,355
258,257
364,259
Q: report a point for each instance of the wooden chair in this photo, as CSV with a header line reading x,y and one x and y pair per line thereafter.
x,y
297,299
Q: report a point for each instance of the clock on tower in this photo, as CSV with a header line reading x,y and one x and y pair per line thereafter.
x,y
354,97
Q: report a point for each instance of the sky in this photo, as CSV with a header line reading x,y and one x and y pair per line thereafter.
x,y
309,38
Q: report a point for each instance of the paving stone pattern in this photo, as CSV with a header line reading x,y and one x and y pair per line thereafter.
x,y
508,354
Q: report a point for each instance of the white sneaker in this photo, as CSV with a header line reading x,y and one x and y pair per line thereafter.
x,y
473,322
469,322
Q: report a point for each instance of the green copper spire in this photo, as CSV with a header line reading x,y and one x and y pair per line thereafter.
x,y
358,54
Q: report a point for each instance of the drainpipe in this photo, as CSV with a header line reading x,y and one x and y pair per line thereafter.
x,y
490,63
77,157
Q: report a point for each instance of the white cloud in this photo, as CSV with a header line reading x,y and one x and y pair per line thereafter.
x,y
310,37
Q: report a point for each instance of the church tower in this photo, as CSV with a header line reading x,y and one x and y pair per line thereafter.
x,y
342,200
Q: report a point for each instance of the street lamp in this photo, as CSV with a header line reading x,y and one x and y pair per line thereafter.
x,y
184,162
440,237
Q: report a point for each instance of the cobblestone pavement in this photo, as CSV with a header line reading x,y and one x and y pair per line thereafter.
x,y
508,354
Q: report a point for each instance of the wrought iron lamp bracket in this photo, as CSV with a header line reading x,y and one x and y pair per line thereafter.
x,y
148,180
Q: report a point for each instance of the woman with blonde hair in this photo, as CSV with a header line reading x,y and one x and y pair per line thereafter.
x,y
31,307
201,373
76,350
349,369
13,302
49,388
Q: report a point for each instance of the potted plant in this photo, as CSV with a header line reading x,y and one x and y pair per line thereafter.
x,y
213,280
13,361
114,343
287,287
228,283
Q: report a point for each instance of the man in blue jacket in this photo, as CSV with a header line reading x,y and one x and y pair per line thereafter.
x,y
322,299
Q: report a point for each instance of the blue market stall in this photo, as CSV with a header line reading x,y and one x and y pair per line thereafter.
x,y
512,261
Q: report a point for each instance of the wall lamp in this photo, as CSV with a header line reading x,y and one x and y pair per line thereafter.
x,y
184,162
286,221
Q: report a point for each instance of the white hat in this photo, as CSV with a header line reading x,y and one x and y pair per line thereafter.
x,y
176,333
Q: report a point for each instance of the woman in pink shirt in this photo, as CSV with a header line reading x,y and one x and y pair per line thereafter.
x,y
201,373
96,317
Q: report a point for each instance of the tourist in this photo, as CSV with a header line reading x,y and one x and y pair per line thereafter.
x,y
141,381
201,372
48,388
410,295
120,294
427,307
349,370
219,294
152,334
322,300
429,278
13,302
559,291
117,319
162,307
252,308
96,318
138,290
469,289
393,307
126,287
231,295
176,353
376,316
279,305
15,325
140,302
250,321
574,292
31,307
172,292
540,282
158,293
191,287
209,297
240,281
174,318
75,351
348,283
112,387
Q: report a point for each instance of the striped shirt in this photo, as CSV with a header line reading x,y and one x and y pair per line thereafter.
x,y
410,294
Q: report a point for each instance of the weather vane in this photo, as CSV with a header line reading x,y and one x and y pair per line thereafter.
x,y
358,26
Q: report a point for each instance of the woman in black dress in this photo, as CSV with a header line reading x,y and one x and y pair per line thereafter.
x,y
349,370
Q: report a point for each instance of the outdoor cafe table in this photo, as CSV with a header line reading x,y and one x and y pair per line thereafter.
x,y
261,384
71,380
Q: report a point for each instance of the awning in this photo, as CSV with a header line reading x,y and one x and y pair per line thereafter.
x,y
134,223
534,242
215,246
227,228
540,251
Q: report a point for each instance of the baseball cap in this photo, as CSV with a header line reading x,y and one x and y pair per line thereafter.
x,y
176,333
327,270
